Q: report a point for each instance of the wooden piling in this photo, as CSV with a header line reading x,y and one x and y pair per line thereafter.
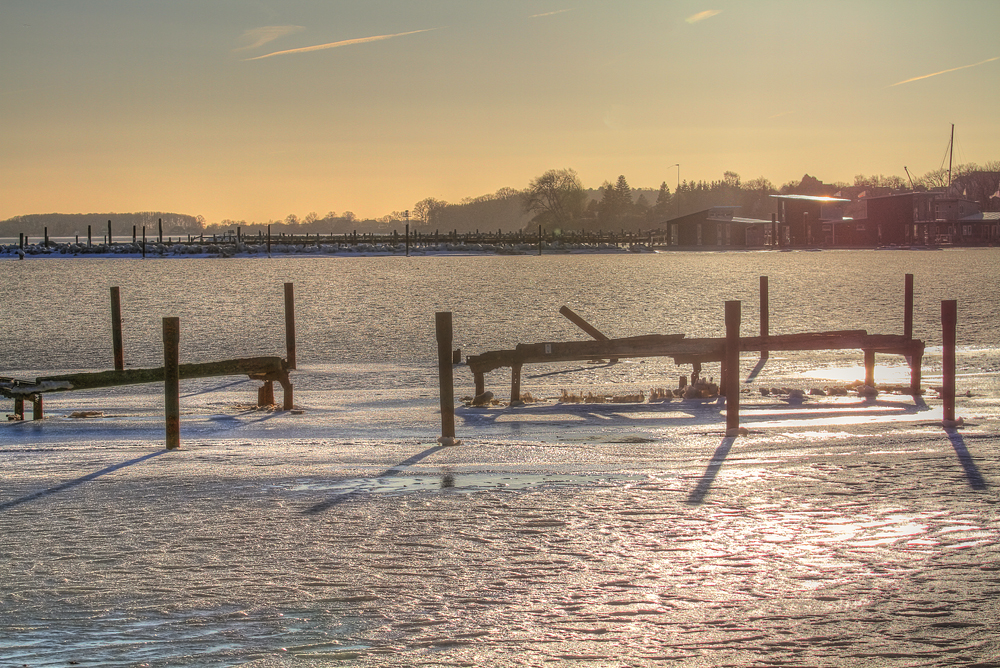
x,y
908,307
290,325
159,224
171,381
110,238
443,329
116,329
88,236
269,241
732,379
46,237
36,407
869,367
765,318
949,321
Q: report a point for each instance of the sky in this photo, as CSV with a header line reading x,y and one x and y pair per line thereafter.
x,y
256,109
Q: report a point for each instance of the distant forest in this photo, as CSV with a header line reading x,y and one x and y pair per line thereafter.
x,y
612,207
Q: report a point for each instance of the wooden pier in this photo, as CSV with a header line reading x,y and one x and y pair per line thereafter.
x,y
694,351
266,369
698,351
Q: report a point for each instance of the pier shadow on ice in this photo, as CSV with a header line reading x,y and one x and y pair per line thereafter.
x,y
78,481
396,470
680,413
972,473
708,477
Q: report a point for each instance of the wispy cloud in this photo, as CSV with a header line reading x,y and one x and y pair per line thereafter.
x,y
258,37
701,16
954,69
558,11
346,42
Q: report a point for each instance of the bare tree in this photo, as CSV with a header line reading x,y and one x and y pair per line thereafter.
x,y
556,198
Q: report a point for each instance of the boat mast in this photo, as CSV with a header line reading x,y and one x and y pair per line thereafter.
x,y
951,151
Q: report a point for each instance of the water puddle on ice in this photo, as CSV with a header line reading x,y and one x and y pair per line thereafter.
x,y
455,482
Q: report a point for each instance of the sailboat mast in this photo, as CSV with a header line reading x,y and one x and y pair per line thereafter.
x,y
951,151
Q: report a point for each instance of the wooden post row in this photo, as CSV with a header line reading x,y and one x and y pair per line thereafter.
x,y
949,321
116,329
290,324
171,381
765,318
732,375
443,331
908,306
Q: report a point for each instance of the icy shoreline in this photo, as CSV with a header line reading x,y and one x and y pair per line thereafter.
x,y
837,532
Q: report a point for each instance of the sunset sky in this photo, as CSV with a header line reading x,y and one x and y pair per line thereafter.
x,y
253,110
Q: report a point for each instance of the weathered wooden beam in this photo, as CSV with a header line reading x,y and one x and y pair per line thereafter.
x,y
250,366
949,321
444,335
171,382
116,325
732,366
582,324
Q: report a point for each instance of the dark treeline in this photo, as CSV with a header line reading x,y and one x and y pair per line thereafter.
x,y
556,200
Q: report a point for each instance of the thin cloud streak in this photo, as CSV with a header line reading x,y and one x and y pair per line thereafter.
x,y
701,16
346,42
954,69
558,11
265,34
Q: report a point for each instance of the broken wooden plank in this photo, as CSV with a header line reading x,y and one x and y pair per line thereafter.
x,y
251,366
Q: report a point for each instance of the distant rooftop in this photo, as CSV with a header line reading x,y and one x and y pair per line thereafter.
x,y
811,198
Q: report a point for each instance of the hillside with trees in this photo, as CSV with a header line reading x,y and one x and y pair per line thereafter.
x,y
555,200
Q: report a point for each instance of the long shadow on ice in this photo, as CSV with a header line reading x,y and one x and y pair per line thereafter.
x,y
975,478
396,470
78,481
687,412
708,477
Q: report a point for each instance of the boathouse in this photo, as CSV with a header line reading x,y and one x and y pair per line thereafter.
x,y
717,228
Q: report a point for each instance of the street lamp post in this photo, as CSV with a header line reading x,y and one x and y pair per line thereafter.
x,y
677,208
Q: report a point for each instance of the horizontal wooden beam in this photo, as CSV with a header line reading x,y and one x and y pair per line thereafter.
x,y
689,351
251,366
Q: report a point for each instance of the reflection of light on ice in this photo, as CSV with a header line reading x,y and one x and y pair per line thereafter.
x,y
883,374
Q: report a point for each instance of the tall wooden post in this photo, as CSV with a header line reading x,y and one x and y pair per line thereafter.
x,y
88,236
765,316
949,321
732,379
443,330
143,241
46,237
269,241
110,239
116,329
290,325
908,307
133,234
159,224
171,381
